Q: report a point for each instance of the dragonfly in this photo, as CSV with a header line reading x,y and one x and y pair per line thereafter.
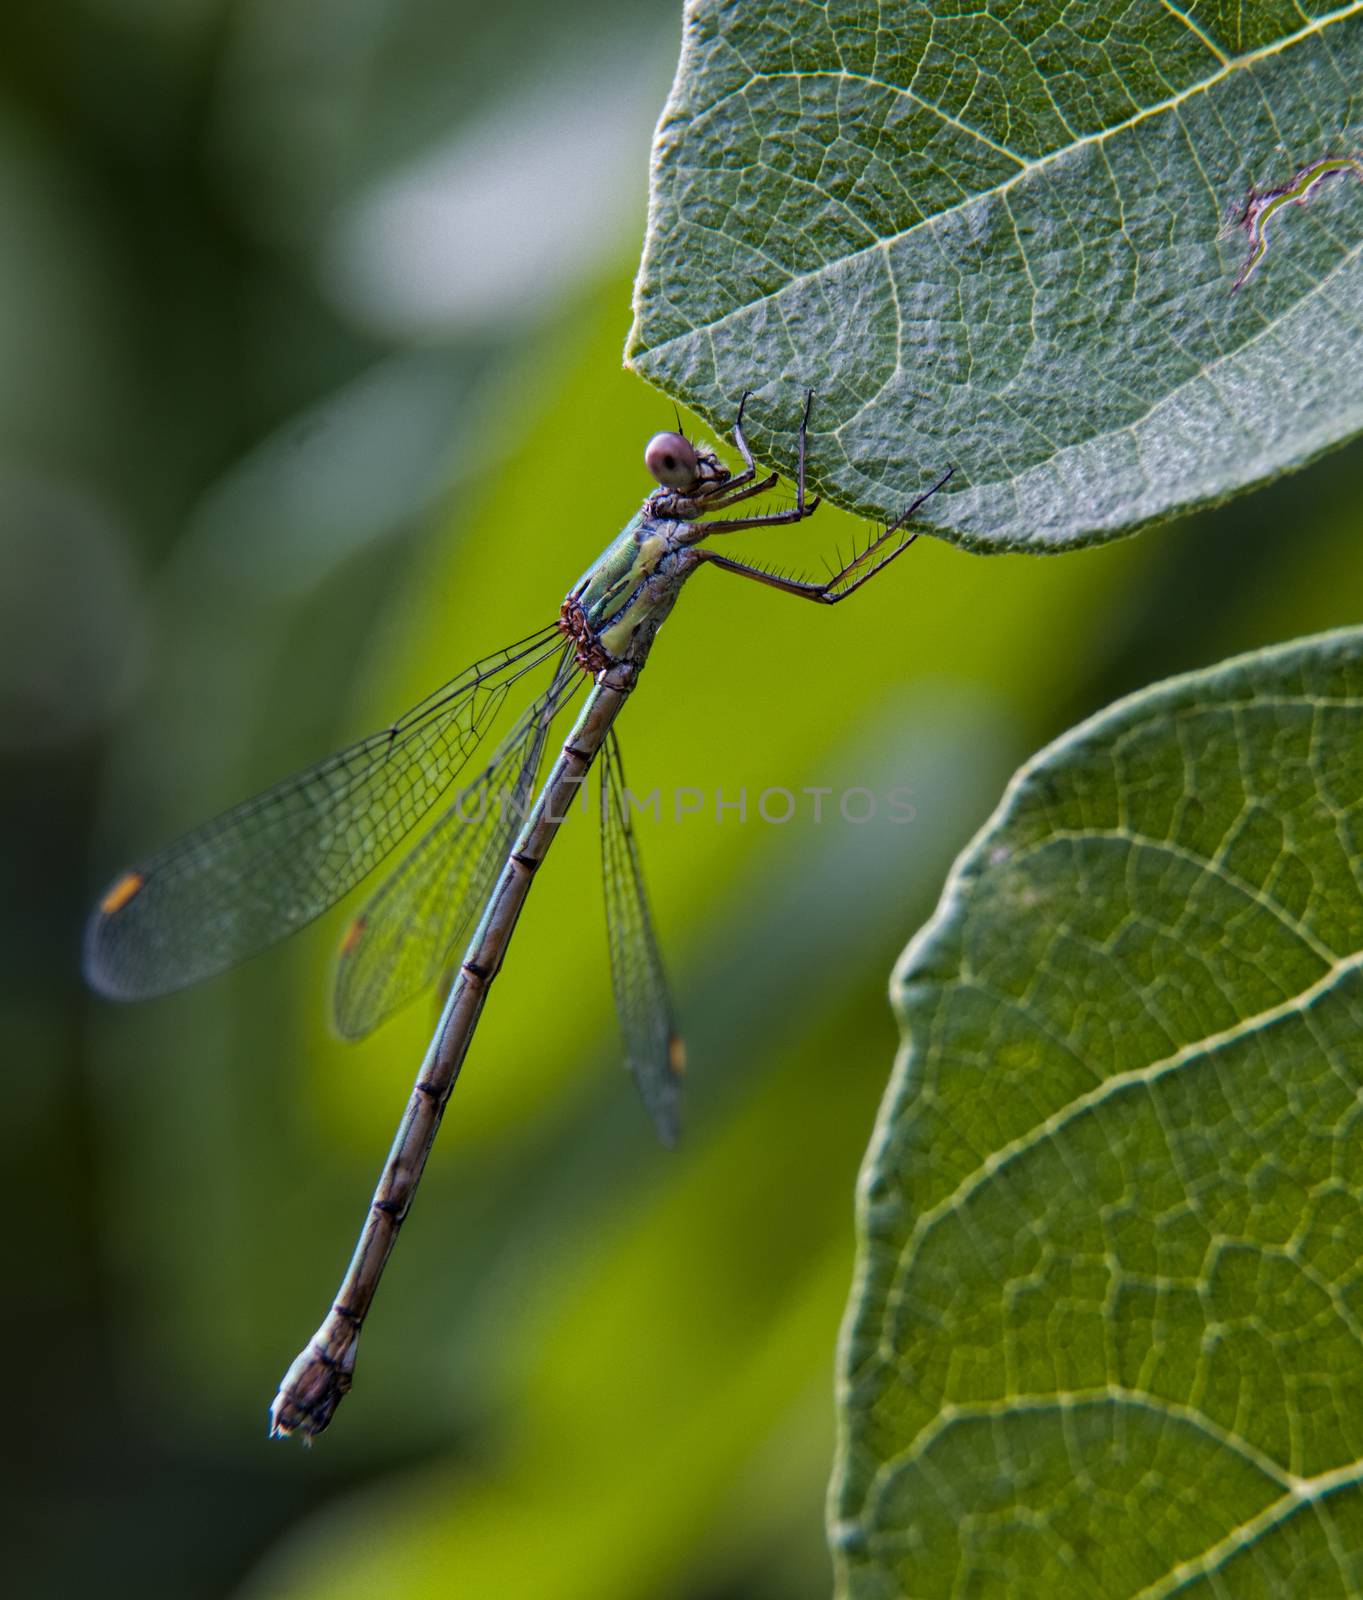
x,y
268,866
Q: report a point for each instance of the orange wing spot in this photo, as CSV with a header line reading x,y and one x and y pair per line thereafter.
x,y
129,885
676,1055
353,934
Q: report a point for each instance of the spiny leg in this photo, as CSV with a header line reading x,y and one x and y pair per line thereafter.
x,y
828,593
771,519
760,487
749,472
749,465
798,511
693,481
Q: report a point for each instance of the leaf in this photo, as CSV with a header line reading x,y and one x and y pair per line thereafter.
x,y
988,236
1107,1332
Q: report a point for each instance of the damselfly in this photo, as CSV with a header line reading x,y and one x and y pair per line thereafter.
x,y
267,867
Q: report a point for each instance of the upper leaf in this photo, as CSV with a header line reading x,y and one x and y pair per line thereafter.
x,y
1107,1335
992,235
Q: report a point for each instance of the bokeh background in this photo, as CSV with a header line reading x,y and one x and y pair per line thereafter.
x,y
311,315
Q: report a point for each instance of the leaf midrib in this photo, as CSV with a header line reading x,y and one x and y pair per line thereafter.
x,y
800,280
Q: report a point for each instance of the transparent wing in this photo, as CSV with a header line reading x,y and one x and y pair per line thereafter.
x,y
268,866
653,1048
410,931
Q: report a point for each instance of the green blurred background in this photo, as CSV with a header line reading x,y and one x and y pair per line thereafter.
x,y
310,392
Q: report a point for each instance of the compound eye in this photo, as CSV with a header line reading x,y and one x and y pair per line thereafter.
x,y
671,458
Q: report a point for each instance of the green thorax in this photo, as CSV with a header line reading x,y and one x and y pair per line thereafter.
x,y
624,595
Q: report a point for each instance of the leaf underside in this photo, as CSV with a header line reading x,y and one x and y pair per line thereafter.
x,y
992,236
1107,1332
